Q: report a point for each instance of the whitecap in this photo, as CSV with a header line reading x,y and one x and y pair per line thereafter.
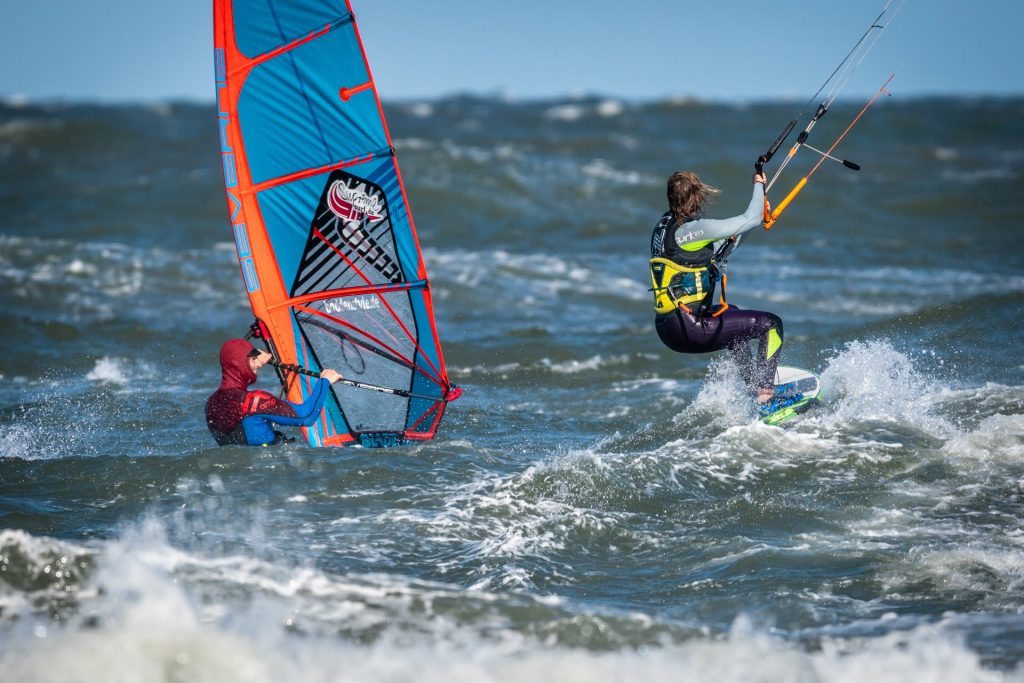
x,y
17,441
19,129
601,170
565,112
996,438
412,144
872,380
17,100
609,108
421,109
109,371
575,366
979,175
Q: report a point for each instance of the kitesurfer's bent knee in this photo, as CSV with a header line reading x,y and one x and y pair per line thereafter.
x,y
767,329
733,329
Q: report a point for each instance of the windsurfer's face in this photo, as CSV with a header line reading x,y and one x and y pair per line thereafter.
x,y
257,359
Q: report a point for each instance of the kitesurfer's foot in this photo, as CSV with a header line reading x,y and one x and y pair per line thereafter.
x,y
764,394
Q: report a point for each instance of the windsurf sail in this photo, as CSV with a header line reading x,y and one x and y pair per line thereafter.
x,y
326,243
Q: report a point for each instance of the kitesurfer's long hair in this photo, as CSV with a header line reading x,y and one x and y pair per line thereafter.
x,y
687,195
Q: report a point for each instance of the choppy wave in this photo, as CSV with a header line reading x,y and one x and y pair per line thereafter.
x,y
148,612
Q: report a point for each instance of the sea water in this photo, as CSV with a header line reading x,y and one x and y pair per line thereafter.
x,y
595,507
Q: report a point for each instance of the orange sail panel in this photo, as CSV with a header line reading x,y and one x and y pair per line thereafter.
x,y
326,242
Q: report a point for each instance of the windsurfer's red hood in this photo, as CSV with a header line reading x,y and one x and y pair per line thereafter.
x,y
234,365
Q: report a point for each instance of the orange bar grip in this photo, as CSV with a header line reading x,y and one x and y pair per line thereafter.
x,y
785,202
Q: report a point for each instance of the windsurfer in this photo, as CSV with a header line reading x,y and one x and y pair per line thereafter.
x,y
238,416
688,254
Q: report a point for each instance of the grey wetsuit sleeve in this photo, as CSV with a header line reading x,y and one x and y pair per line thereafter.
x,y
704,229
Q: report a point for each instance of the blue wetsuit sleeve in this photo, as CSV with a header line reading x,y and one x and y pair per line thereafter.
x,y
705,229
258,427
308,411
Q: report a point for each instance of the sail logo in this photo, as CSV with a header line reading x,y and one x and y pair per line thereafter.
x,y
352,204
353,219
227,154
356,303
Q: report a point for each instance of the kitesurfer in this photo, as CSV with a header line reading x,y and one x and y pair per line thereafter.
x,y
236,415
688,253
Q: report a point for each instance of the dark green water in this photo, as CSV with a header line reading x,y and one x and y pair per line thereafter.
x,y
595,507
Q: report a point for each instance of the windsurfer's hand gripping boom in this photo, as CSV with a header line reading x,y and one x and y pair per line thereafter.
x,y
262,358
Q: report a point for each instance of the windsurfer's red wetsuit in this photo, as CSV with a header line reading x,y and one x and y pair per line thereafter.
x,y
236,415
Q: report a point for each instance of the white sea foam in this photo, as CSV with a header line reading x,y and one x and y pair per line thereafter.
x,y
410,144
186,651
539,278
148,625
16,441
610,108
723,394
154,612
498,520
565,112
32,435
81,281
18,100
421,109
873,381
601,170
109,371
617,412
20,129
996,438
565,367
575,366
979,175
987,399
479,155
864,382
880,291
996,574
38,570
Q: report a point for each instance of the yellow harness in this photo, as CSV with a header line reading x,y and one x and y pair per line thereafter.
x,y
675,286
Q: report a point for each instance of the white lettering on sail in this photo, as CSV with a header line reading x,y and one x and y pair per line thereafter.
x,y
353,303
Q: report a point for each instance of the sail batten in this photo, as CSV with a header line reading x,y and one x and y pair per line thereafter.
x,y
326,243
343,163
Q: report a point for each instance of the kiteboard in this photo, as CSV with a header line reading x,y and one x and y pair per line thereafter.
x,y
796,391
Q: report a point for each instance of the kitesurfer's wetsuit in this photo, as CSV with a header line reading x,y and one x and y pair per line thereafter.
x,y
238,416
687,321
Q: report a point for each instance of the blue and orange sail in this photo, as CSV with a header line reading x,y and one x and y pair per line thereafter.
x,y
326,242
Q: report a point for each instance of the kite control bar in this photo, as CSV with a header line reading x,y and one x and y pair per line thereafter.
x,y
839,77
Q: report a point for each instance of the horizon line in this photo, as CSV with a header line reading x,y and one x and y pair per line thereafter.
x,y
21,100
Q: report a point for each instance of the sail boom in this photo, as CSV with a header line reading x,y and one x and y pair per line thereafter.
x,y
350,291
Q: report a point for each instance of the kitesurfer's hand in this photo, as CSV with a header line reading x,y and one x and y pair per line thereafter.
x,y
759,178
331,376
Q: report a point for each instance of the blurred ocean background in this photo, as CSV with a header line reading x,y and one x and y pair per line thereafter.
x,y
595,507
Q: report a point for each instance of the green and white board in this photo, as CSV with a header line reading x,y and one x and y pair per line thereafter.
x,y
796,391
